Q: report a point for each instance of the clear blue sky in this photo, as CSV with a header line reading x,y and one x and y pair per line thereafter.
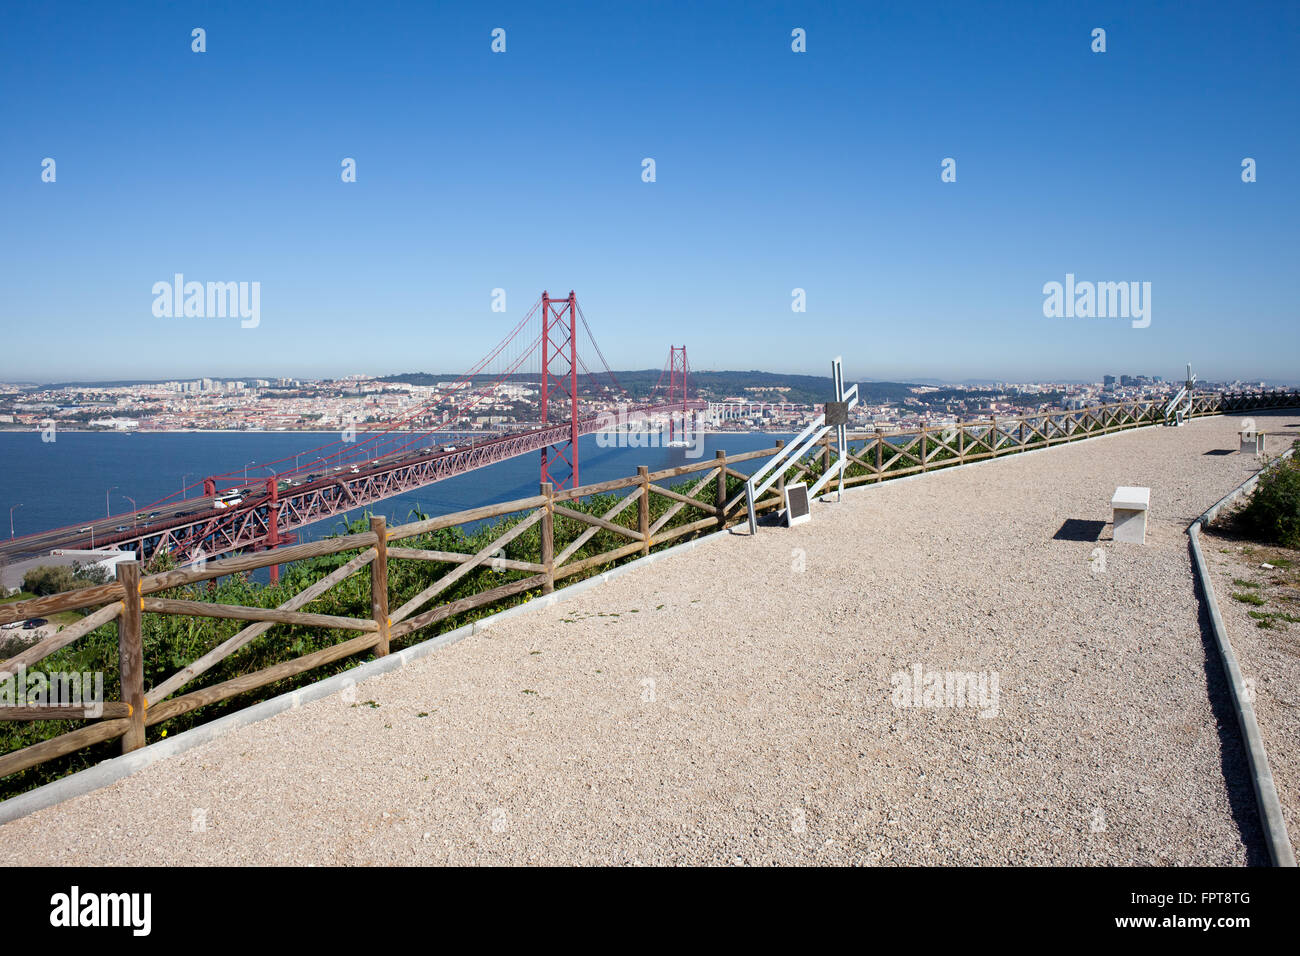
x,y
775,170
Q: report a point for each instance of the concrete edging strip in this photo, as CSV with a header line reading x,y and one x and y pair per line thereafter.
x,y
1270,807
110,771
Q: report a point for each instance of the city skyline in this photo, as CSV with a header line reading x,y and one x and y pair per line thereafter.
x,y
780,174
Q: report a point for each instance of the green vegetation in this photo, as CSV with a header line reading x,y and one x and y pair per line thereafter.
x,y
1272,515
1268,619
1247,598
54,579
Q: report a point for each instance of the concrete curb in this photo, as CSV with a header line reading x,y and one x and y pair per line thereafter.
x,y
1270,807
111,771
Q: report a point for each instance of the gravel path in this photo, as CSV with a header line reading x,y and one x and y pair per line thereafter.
x,y
727,707
1268,657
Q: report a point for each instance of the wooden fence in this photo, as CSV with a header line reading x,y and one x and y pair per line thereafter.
x,y
709,497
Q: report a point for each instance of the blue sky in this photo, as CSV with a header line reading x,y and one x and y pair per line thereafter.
x,y
775,170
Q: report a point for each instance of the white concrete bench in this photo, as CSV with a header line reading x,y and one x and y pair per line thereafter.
x,y
1130,507
1252,442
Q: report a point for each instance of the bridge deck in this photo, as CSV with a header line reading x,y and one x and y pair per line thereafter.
x,y
771,736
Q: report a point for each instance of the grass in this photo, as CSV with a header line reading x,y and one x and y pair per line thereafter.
x,y
1247,598
1241,583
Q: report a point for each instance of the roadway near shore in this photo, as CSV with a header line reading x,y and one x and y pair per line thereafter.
x,y
734,704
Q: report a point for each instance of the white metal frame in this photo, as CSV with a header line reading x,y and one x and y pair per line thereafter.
x,y
800,445
1185,393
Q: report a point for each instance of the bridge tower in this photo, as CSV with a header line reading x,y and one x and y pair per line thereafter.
x,y
678,371
560,382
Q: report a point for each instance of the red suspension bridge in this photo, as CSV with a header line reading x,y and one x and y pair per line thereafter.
x,y
550,352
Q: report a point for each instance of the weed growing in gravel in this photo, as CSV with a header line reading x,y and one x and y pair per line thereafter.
x,y
1254,599
1269,619
1241,583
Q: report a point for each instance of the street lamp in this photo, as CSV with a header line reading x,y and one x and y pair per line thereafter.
x,y
134,507
107,512
246,464
183,485
11,520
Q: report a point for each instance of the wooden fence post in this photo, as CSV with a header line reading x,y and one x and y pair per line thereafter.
x,y
643,508
961,444
379,583
826,453
548,537
720,457
924,457
130,651
880,453
993,436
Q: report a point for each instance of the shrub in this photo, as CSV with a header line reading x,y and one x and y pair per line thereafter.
x,y
48,579
1272,514
51,579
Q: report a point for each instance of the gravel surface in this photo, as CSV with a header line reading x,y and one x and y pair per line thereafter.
x,y
734,705
1268,657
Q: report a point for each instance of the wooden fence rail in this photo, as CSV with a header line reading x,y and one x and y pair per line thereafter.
x,y
711,498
